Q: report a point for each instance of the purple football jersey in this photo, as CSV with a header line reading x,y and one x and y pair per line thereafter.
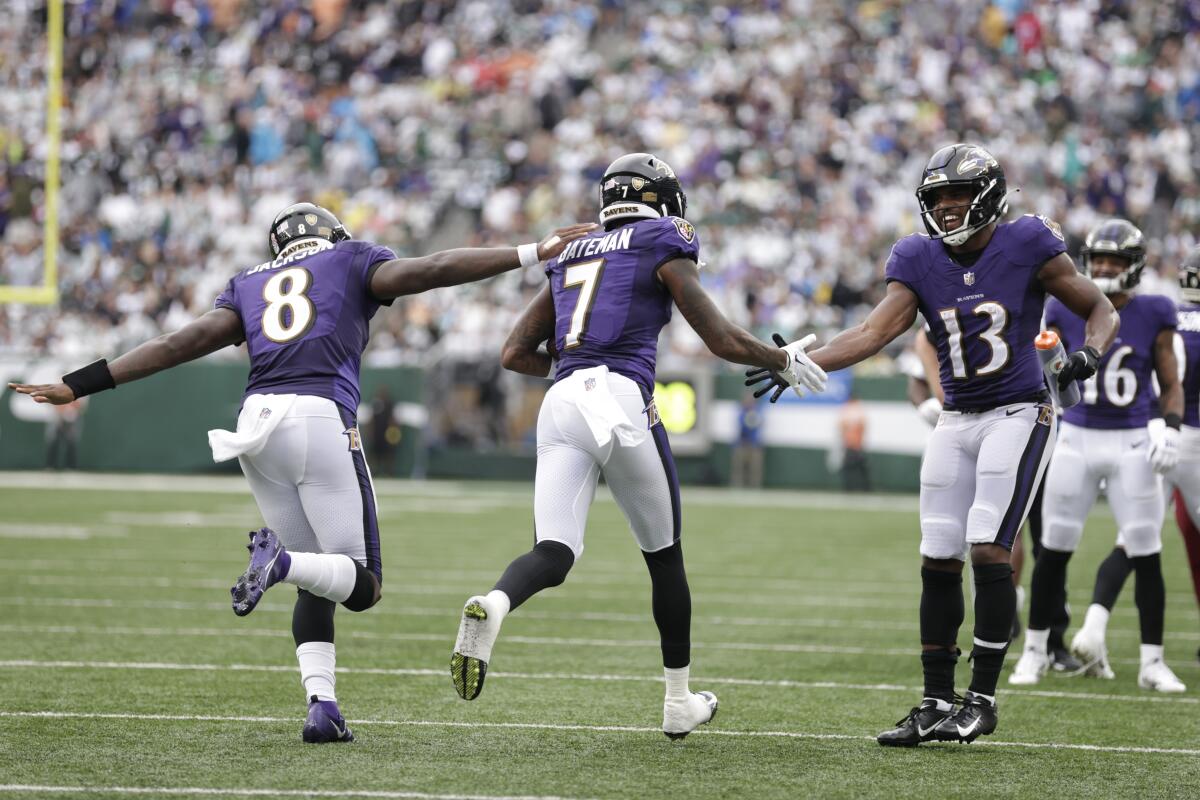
x,y
1189,332
306,318
983,318
609,305
1120,394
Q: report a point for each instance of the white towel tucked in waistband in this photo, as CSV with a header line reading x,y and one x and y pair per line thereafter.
x,y
260,414
588,389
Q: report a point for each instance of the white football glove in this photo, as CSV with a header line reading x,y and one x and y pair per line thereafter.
x,y
800,372
930,410
1164,448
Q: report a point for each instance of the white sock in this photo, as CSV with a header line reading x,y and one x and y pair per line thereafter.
x,y
1151,653
942,705
328,575
317,662
1037,640
1020,599
499,604
1096,618
677,682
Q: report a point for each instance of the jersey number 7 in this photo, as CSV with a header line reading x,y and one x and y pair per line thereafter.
x,y
586,276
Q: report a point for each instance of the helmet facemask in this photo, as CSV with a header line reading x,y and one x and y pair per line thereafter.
x,y
1123,240
986,206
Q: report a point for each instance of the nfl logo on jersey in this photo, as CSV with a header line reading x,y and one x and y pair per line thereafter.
x,y
969,278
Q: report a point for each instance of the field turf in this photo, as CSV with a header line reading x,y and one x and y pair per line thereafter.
x,y
123,668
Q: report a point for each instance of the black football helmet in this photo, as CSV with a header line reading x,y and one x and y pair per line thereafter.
x,y
1189,276
305,221
1118,237
640,186
964,164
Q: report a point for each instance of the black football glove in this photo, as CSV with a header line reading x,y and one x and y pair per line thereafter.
x,y
1080,366
769,380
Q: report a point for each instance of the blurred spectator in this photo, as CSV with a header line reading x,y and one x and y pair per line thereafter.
x,y
852,425
747,466
63,432
383,434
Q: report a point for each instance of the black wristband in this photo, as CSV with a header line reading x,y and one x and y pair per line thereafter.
x,y
1095,353
1173,420
95,377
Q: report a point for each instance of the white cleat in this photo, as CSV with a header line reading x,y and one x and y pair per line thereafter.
x,y
473,649
1030,668
1158,676
1089,647
681,717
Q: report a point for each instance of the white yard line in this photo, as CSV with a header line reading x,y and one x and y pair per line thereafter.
x,y
189,791
441,674
448,612
546,726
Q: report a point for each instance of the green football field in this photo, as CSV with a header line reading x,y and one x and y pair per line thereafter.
x,y
124,669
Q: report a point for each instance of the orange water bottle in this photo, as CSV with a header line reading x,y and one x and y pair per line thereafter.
x,y
1054,358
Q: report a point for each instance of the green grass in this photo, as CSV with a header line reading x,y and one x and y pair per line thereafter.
x,y
116,602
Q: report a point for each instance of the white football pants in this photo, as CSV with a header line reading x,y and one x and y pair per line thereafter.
x,y
312,484
979,476
1186,475
642,477
1083,458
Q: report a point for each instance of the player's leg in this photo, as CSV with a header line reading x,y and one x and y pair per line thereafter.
x,y
1136,497
1018,566
1060,657
1071,486
1186,480
564,486
312,617
645,485
1013,454
947,489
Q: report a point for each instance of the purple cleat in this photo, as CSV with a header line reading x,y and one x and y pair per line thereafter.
x,y
269,563
325,723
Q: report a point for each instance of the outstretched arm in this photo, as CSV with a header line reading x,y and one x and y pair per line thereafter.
x,y
723,338
1077,292
534,326
892,317
216,329
466,264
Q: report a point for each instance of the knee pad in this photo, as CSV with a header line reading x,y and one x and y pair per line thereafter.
x,y
1141,540
366,592
942,537
1061,534
983,523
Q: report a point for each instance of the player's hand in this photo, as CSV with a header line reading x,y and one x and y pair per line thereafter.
x,y
800,372
57,393
556,242
930,410
1080,366
1164,449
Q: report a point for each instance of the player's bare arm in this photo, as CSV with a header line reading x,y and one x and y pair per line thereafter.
x,y
893,316
1077,292
927,353
218,328
404,276
1166,368
725,340
534,326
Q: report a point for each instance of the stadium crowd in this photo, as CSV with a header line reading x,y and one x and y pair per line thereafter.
x,y
798,129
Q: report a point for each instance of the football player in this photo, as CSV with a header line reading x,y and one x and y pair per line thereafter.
x,y
980,284
1182,483
608,297
1104,439
304,317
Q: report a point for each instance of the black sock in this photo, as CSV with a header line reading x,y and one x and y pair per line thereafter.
x,y
1047,593
671,601
1110,578
546,565
312,618
1151,595
942,614
995,603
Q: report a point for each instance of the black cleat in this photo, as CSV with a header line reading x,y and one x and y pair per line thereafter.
x,y
1061,660
976,718
917,727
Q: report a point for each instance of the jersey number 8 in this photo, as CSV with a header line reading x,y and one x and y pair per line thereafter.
x,y
289,313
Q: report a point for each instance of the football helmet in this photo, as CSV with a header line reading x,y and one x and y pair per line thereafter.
x,y
305,221
1189,276
958,165
1118,237
640,186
